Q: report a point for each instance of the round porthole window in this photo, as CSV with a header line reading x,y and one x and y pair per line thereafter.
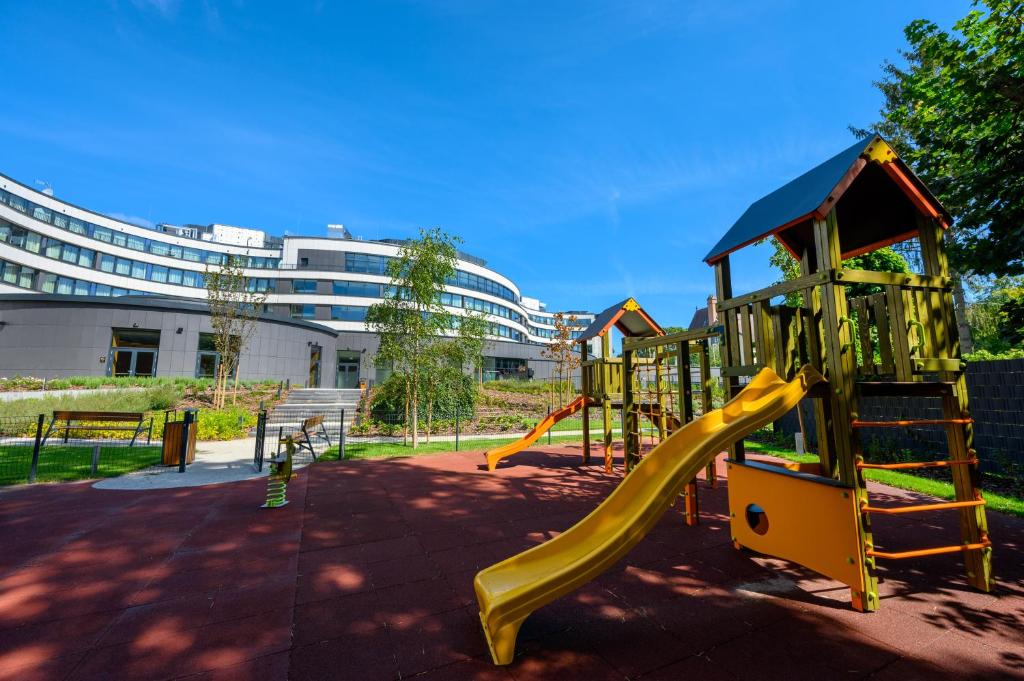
x,y
757,519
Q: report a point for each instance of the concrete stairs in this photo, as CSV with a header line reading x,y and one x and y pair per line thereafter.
x,y
301,403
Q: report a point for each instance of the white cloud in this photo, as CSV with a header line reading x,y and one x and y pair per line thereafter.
x,y
133,220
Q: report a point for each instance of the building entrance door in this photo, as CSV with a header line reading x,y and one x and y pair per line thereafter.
x,y
133,352
348,375
315,354
348,369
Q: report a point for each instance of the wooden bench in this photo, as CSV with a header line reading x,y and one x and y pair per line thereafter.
x,y
311,428
123,421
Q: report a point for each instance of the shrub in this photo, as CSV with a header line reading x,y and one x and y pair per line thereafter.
x,y
229,423
983,355
457,394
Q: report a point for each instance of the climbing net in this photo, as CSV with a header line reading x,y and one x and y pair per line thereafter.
x,y
656,386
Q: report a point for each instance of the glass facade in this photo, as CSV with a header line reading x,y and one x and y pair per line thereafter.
x,y
96,259
30,241
125,240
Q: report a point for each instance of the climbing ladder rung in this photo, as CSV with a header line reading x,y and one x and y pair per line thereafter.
x,y
915,422
917,464
923,507
920,553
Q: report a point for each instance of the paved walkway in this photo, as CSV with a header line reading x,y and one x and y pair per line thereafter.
x,y
367,575
216,462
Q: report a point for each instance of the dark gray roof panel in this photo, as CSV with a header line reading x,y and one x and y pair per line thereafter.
x,y
789,202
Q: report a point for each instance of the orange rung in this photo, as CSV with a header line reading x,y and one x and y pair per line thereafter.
x,y
916,422
920,553
924,507
917,464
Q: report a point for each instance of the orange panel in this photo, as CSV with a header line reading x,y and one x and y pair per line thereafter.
x,y
798,517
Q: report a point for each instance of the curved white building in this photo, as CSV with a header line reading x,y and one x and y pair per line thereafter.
x,y
49,246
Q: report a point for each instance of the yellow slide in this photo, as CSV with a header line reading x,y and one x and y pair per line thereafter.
x,y
509,591
496,455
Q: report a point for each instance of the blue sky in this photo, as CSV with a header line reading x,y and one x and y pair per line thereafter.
x,y
588,150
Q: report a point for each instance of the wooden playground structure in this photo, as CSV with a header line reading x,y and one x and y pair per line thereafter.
x,y
900,341
855,335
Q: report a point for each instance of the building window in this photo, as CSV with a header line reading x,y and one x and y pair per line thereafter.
x,y
208,358
303,311
362,289
348,313
17,275
366,264
304,285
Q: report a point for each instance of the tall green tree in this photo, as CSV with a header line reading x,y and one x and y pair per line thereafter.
x,y
955,112
411,320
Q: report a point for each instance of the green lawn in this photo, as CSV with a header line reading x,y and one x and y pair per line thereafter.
x,y
64,463
378,450
935,488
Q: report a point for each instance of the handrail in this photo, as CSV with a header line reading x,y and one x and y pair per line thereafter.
x,y
782,289
842,276
921,553
898,510
917,464
914,324
853,332
669,339
856,423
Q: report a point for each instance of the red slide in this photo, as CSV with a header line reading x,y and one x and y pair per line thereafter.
x,y
496,455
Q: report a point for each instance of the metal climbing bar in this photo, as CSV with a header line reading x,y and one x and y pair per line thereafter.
x,y
917,464
857,423
898,510
920,553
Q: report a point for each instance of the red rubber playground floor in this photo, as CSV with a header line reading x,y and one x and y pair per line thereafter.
x,y
367,575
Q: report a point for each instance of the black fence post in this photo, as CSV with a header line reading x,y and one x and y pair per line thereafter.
x,y
549,429
341,438
261,429
95,460
456,429
186,426
34,467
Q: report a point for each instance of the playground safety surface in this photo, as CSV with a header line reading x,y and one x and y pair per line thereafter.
x,y
367,575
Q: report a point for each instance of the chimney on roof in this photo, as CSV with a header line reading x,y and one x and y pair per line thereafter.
x,y
712,310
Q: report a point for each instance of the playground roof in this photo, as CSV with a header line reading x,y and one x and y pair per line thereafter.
x,y
876,196
628,317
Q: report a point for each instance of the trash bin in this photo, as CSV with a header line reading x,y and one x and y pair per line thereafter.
x,y
173,431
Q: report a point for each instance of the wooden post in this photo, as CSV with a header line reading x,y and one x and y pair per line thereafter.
x,y
629,413
814,333
606,400
585,388
691,511
706,383
841,366
659,387
730,344
966,478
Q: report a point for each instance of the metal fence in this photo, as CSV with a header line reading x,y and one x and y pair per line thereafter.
x,y
317,433
380,434
28,456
